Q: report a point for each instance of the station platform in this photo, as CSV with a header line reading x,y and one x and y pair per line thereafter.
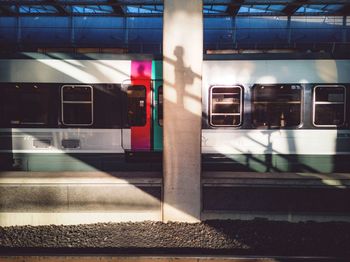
x,y
42,198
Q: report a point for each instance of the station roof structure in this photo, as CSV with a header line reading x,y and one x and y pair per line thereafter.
x,y
140,8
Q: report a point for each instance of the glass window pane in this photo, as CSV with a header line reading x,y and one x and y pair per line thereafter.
x,y
329,114
25,106
77,105
77,93
225,120
34,108
329,107
136,105
329,94
160,105
276,106
277,93
276,115
226,106
77,114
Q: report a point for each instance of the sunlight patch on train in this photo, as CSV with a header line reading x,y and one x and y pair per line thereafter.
x,y
108,68
290,147
327,70
87,71
228,72
333,182
267,80
326,179
54,150
69,70
236,142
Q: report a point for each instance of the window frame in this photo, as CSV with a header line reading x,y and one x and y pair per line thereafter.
x,y
160,103
77,102
302,94
145,106
233,114
314,103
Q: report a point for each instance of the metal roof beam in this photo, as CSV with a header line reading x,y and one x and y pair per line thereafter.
x,y
138,3
292,7
234,6
60,9
61,3
277,2
161,15
6,10
345,10
118,9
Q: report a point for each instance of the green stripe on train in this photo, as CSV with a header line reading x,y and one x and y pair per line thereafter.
x,y
53,162
157,76
215,162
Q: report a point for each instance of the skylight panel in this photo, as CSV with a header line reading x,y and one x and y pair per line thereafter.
x,y
312,9
211,2
140,2
132,9
333,8
254,9
92,9
277,8
37,9
219,8
214,9
144,9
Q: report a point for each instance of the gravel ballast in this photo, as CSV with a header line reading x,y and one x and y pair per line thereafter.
x,y
256,237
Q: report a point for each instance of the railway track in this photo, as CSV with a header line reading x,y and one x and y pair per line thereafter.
x,y
156,258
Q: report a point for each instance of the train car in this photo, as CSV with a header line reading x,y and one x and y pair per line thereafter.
x,y
63,112
276,115
98,112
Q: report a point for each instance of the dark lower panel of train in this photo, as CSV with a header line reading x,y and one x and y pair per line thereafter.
x,y
146,161
76,162
276,199
277,163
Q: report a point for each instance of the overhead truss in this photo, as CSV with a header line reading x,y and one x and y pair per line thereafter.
x,y
136,8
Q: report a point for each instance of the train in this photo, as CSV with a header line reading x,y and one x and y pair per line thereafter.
x,y
63,112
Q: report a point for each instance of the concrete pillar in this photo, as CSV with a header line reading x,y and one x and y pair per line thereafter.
x,y
182,77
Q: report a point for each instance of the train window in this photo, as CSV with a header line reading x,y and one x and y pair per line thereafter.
x,y
225,106
329,105
276,106
25,105
136,105
160,105
77,105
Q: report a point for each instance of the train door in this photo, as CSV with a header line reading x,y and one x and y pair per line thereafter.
x,y
139,95
157,86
